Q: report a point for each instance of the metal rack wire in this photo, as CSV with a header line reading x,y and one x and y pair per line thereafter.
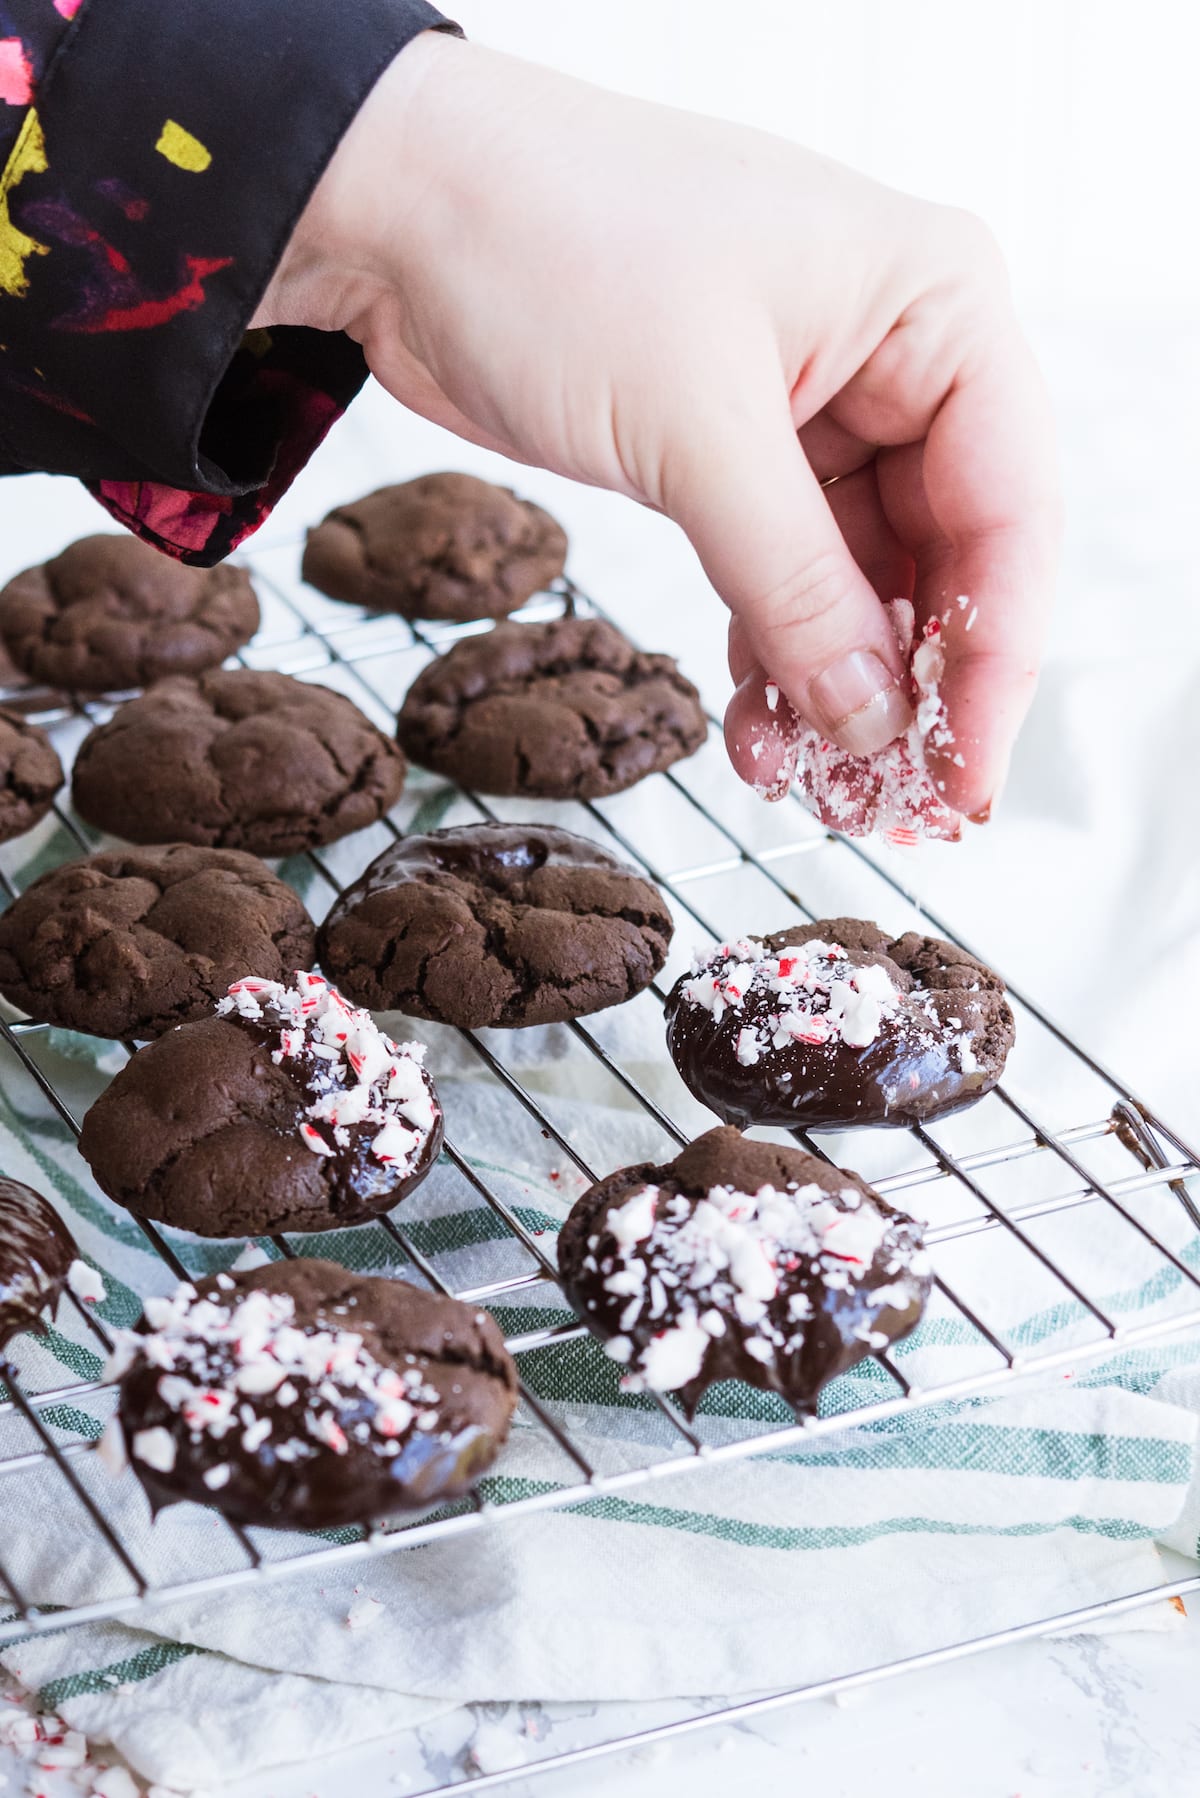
x,y
1013,1173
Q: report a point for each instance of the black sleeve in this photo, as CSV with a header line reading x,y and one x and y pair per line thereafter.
x,y
157,156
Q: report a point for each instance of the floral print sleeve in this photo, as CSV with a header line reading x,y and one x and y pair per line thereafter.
x,y
156,156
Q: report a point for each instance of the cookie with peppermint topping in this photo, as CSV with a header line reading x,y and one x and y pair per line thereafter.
x,y
288,1109
37,1255
741,1260
835,1023
301,1396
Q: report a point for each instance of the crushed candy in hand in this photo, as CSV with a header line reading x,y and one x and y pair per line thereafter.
x,y
891,793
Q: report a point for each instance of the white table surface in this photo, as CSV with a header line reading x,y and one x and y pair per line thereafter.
x,y
1087,822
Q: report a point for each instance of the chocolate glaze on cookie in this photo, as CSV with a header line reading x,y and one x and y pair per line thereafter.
x,y
496,924
563,710
237,760
36,1254
443,546
111,612
741,1260
30,775
129,942
832,1024
291,1110
300,1396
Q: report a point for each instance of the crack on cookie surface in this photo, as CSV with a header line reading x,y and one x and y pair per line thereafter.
x,y
445,546
501,925
238,759
129,942
564,709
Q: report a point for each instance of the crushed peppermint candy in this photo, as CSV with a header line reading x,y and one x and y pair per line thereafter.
x,y
364,1612
115,1782
892,792
810,993
360,1080
156,1448
747,1271
250,1258
111,1449
241,1371
86,1283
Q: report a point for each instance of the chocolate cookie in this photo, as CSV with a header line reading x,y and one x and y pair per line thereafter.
x,y
444,546
237,760
504,924
301,1396
111,612
564,710
741,1260
129,942
30,775
37,1252
288,1110
836,1023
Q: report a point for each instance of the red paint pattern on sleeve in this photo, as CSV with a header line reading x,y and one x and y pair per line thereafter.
x,y
143,315
16,74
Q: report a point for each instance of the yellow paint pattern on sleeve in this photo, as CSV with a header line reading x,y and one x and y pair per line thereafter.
x,y
181,148
28,157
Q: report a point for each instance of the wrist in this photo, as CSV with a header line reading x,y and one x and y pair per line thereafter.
x,y
346,240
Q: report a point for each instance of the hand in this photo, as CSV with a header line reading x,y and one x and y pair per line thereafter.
x,y
714,322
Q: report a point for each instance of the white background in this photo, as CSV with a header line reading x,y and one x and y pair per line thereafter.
x,y
1070,125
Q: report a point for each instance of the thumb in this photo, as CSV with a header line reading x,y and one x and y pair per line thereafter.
x,y
770,545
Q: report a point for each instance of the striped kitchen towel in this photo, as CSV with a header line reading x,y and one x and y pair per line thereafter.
x,y
858,1547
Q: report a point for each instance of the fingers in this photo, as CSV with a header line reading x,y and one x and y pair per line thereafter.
x,y
756,733
858,511
831,449
760,735
742,660
979,507
769,543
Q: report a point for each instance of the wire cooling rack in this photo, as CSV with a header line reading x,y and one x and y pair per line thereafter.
x,y
1060,1150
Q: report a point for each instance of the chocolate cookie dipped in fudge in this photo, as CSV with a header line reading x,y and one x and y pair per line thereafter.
x,y
289,1109
496,924
38,1258
741,1260
835,1023
301,1396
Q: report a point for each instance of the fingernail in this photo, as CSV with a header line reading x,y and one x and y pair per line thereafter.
x,y
989,805
860,703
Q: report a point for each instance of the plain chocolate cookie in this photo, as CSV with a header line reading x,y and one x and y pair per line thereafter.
x,y
237,760
36,1252
288,1111
741,1260
30,775
563,710
445,546
129,942
501,924
836,1023
111,612
300,1396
